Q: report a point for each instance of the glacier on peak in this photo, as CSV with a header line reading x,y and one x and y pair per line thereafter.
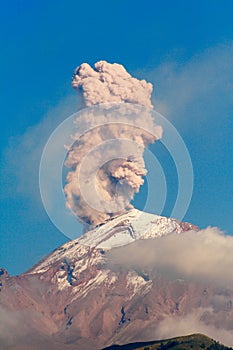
x,y
118,231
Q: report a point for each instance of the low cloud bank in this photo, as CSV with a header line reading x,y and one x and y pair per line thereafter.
x,y
205,255
190,324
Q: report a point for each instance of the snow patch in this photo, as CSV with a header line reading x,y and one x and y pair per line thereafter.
x,y
83,289
136,283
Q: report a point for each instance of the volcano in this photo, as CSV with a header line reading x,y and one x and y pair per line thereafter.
x,y
75,298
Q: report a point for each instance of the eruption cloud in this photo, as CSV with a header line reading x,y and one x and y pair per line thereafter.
x,y
110,83
106,154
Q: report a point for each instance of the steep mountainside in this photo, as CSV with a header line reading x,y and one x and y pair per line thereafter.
x,y
74,299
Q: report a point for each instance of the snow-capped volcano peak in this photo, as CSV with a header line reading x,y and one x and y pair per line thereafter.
x,y
118,231
129,227
81,295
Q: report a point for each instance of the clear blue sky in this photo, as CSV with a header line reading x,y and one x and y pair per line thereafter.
x,y
183,47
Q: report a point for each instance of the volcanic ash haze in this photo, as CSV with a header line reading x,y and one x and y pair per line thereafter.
x,y
106,155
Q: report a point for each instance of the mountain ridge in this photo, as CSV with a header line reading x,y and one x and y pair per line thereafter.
x,y
74,298
193,341
122,230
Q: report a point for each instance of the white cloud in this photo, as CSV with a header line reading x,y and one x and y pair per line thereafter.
x,y
203,259
177,88
205,255
192,323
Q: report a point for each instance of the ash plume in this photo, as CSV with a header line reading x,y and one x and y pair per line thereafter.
x,y
106,154
110,83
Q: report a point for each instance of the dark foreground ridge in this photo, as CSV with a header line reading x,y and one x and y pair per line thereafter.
x,y
192,342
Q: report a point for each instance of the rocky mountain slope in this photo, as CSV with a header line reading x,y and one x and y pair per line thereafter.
x,y
75,298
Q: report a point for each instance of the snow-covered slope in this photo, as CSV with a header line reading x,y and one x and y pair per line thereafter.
x,y
77,298
128,227
119,231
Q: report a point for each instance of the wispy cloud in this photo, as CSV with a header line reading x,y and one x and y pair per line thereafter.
x,y
21,159
180,89
201,81
196,96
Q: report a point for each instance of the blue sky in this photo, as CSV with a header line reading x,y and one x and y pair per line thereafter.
x,y
184,48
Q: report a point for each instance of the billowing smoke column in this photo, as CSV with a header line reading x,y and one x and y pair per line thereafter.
x,y
106,156
110,83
